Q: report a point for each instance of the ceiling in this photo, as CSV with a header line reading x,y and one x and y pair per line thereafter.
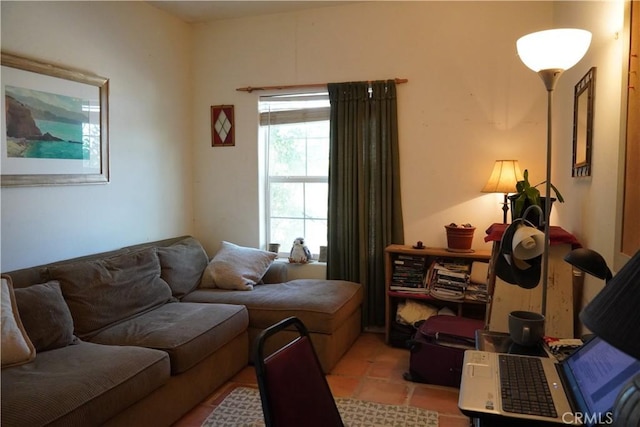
x,y
204,11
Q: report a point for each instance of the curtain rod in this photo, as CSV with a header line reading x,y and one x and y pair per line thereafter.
x,y
250,89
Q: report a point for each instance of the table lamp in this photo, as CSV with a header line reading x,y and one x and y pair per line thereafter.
x,y
503,179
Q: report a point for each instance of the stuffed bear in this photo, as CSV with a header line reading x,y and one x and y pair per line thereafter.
x,y
299,252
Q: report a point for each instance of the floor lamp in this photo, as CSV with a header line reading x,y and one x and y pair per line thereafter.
x,y
549,53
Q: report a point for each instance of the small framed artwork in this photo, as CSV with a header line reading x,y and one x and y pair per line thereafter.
x,y
222,126
583,100
55,124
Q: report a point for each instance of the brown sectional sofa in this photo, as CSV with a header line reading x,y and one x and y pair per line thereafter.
x,y
147,343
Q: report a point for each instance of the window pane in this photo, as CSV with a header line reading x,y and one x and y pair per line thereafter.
x,y
287,200
318,156
316,197
316,235
287,150
284,231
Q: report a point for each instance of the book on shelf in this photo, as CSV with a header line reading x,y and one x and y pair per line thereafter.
x,y
477,292
446,294
409,263
409,289
448,280
408,273
449,286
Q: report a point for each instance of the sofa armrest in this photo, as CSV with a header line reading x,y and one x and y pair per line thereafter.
x,y
277,273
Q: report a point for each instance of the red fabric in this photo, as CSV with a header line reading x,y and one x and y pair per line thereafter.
x,y
557,235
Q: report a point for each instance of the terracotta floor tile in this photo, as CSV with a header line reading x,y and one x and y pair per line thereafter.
x,y
246,376
195,417
383,392
352,365
343,386
391,370
392,353
366,347
441,399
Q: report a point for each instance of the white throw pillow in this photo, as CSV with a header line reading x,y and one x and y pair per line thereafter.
x,y
237,267
16,345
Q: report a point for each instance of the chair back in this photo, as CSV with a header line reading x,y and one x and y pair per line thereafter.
x,y
293,388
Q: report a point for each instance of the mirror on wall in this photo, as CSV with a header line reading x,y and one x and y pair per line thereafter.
x,y
584,94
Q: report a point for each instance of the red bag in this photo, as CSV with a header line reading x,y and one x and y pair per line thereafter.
x,y
437,349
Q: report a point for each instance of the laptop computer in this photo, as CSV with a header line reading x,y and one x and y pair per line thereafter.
x,y
583,387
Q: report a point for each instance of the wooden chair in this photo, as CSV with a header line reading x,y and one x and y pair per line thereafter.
x,y
293,388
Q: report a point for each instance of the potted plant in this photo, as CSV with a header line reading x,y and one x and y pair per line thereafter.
x,y
527,195
459,237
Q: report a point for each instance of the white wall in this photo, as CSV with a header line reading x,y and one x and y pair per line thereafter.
x,y
590,210
145,53
468,102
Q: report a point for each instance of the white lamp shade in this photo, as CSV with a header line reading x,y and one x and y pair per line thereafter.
x,y
553,49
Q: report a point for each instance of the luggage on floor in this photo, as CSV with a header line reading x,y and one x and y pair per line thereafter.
x,y
437,349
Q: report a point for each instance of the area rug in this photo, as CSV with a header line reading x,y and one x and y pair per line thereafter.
x,y
242,407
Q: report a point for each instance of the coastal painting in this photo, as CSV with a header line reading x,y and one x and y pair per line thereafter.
x,y
55,124
45,125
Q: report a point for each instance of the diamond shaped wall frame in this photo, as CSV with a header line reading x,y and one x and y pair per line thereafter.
x,y
222,126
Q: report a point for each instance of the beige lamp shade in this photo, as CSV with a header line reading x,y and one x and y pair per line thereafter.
x,y
503,178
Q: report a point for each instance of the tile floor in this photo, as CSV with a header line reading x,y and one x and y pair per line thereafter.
x,y
370,370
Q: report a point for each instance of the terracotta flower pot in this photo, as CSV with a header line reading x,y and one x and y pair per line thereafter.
x,y
459,239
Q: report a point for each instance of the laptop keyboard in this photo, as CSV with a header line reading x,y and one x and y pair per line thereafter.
x,y
524,386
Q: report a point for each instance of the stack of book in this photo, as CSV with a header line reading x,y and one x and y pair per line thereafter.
x,y
477,289
449,280
409,274
477,292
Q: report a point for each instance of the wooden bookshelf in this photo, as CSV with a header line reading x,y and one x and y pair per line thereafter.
x,y
470,308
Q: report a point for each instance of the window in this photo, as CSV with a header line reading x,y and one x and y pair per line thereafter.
x,y
294,128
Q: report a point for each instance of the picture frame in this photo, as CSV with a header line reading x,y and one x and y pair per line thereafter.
x,y
583,101
222,126
56,124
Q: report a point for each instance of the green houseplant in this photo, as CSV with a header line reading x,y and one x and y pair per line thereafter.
x,y
527,195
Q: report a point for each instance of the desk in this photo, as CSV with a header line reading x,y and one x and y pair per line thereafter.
x,y
560,294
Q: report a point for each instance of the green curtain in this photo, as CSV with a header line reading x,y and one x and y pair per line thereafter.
x,y
365,211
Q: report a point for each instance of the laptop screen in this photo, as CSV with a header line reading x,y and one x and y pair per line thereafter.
x,y
596,372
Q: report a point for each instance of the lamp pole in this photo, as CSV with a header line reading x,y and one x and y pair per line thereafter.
x,y
550,78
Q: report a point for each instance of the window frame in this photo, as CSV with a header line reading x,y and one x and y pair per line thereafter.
x,y
268,118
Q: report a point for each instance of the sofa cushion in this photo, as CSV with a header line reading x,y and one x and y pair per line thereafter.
x,y
103,292
80,384
182,265
238,267
16,347
45,316
322,305
188,332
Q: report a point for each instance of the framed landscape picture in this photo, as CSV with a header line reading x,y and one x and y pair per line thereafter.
x,y
55,125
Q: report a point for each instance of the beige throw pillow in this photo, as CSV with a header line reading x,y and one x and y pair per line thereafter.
x,y
16,346
238,268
